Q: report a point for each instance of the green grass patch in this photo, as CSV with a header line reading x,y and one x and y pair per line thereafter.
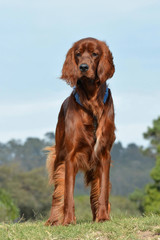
x,y
118,228
126,223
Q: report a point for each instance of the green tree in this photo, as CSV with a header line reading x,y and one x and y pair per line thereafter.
x,y
152,191
49,138
29,190
8,210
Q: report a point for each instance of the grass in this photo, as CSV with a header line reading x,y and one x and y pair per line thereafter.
x,y
125,223
120,206
118,228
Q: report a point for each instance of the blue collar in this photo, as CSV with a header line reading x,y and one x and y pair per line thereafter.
x,y
76,95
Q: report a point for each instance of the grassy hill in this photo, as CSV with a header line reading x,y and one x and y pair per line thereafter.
x,y
118,228
126,223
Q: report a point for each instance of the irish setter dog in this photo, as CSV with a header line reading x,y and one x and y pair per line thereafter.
x,y
84,133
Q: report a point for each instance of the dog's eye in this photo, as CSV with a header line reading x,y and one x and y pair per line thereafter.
x,y
78,54
94,54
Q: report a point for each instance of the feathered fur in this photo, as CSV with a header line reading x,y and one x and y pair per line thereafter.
x,y
80,143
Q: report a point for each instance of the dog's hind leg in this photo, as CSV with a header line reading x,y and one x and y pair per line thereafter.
x,y
94,195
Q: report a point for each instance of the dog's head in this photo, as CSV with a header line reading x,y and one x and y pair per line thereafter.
x,y
88,58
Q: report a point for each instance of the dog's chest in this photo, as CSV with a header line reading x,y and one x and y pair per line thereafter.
x,y
90,125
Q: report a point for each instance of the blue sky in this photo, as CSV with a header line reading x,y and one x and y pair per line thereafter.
x,y
34,39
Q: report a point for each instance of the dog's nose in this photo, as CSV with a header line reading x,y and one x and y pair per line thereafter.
x,y
83,67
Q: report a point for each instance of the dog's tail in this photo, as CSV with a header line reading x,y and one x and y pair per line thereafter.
x,y
56,176
50,162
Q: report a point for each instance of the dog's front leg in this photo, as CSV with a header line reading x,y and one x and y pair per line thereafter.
x,y
69,215
103,201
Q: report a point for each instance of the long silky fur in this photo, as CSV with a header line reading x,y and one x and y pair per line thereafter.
x,y
56,177
50,162
94,195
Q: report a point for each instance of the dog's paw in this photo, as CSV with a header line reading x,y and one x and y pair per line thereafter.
x,y
51,222
102,215
69,220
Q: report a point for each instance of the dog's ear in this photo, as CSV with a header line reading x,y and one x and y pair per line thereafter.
x,y
106,67
69,70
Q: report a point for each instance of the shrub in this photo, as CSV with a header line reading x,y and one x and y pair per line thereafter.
x,y
8,209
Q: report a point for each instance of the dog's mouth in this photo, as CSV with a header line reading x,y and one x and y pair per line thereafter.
x,y
88,74
83,80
